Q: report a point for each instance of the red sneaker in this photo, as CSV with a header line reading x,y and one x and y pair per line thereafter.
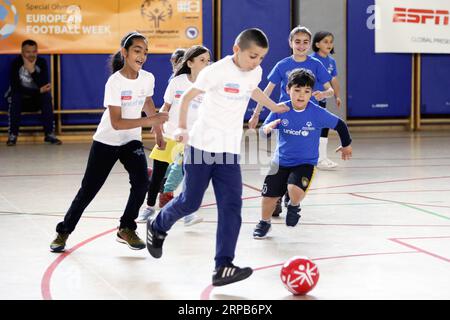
x,y
164,198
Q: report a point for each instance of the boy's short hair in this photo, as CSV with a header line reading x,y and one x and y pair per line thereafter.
x,y
29,42
299,29
301,78
254,35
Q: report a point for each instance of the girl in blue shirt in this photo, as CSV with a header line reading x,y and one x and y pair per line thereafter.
x,y
323,47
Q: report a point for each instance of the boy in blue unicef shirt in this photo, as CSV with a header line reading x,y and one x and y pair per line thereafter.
x,y
297,151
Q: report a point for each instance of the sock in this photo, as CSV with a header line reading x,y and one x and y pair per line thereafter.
x,y
266,220
294,205
323,142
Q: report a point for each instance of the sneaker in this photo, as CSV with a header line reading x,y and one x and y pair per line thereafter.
x,y
164,198
262,229
278,209
192,219
12,140
155,240
326,164
145,214
292,215
228,274
130,238
51,139
59,244
286,199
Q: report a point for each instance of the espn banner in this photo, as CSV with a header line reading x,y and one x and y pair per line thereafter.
x,y
86,26
412,26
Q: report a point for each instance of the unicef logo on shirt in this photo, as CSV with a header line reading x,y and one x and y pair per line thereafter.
x,y
285,122
305,133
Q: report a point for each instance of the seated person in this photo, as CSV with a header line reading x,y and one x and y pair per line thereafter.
x,y
30,88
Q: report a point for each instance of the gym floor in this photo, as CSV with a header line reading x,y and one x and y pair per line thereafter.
x,y
378,227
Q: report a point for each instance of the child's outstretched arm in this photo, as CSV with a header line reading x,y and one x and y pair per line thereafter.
x,y
346,140
150,110
261,98
181,134
337,91
254,119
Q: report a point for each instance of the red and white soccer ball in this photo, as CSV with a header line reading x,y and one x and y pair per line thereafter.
x,y
299,275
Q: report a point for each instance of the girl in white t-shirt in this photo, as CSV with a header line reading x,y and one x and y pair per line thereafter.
x,y
195,59
118,137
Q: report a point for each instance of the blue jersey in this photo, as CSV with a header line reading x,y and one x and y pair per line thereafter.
x,y
299,134
328,62
280,73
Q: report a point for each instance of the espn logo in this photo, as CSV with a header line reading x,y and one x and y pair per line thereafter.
x,y
406,15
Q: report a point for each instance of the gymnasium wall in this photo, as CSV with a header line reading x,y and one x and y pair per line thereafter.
x,y
373,86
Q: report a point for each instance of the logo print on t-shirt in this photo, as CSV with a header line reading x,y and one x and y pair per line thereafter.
x,y
285,122
231,87
178,94
126,95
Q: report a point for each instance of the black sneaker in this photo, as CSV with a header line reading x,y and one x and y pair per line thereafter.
x,y
51,139
228,274
278,209
155,240
286,199
261,229
12,140
292,215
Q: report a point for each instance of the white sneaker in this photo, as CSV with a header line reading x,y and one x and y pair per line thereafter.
x,y
326,164
145,214
192,219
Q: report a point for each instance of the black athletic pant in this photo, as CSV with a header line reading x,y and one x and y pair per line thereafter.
x,y
324,132
159,172
102,158
18,105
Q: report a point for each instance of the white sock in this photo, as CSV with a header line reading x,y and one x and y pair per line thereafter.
x,y
323,143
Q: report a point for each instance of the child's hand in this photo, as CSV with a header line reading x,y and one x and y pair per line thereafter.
x,y
271,125
253,121
160,142
318,95
181,135
338,102
346,152
282,108
157,119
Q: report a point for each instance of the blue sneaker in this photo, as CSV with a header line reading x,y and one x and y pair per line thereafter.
x,y
261,230
292,215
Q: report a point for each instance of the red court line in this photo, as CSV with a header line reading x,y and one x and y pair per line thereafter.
x,y
205,295
398,240
46,279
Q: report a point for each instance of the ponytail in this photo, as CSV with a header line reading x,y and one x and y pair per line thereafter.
x,y
116,62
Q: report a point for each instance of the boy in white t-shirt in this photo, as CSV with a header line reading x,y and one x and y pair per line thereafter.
x,y
213,148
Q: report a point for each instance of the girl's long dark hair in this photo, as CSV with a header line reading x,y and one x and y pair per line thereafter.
x,y
319,36
189,55
116,60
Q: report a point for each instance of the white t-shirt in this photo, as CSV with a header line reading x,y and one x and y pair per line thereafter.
x,y
219,126
130,95
177,86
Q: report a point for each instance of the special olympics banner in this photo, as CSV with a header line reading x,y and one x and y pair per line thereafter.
x,y
412,26
86,26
